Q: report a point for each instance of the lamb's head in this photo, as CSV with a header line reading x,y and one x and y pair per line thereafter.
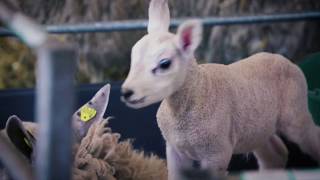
x,y
160,60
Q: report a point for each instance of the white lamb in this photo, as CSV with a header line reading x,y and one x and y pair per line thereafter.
x,y
211,111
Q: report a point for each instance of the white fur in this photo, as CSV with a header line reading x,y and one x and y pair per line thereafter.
x,y
159,16
196,35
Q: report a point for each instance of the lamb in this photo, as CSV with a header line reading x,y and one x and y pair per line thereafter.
x,y
211,111
98,152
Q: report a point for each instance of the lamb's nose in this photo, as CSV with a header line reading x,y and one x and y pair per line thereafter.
x,y
127,93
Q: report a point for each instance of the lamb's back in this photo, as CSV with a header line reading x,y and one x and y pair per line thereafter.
x,y
253,87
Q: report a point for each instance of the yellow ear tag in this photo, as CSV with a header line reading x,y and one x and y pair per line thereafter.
x,y
27,142
87,113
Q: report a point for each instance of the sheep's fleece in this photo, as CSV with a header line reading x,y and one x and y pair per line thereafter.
x,y
99,154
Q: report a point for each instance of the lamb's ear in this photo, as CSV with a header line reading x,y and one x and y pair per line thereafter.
x,y
19,136
189,36
159,16
90,112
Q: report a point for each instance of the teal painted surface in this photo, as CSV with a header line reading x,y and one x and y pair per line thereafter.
x,y
311,69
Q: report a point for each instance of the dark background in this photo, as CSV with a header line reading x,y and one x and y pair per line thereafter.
x,y
139,125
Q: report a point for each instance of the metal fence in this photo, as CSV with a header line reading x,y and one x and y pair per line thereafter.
x,y
142,24
55,80
54,102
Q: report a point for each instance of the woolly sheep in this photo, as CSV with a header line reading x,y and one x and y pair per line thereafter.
x,y
211,111
98,153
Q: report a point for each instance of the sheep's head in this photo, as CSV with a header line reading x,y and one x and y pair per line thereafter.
x,y
91,112
160,60
21,134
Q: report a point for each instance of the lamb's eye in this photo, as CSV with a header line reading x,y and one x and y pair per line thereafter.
x,y
165,64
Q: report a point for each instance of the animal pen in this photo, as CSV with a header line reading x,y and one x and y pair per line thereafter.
x,y
55,95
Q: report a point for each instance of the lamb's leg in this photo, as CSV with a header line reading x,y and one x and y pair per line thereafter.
x,y
176,163
295,121
274,154
217,162
305,133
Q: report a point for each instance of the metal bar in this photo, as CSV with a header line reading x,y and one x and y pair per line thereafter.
x,y
56,64
6,14
18,167
142,24
25,28
54,106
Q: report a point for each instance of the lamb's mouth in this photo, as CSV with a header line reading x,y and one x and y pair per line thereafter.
x,y
136,101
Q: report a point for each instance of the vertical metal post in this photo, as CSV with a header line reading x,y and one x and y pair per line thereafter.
x,y
54,106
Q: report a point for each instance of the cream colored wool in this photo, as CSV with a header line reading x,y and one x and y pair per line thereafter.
x,y
211,111
102,156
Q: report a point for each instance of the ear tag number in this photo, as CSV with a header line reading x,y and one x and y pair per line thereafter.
x,y
87,113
